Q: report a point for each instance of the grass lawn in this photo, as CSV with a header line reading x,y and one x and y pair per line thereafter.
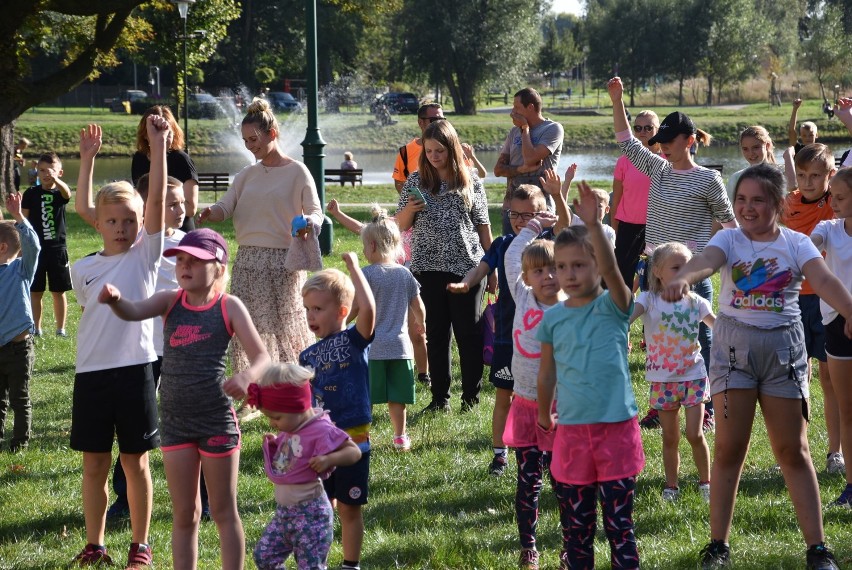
x,y
435,507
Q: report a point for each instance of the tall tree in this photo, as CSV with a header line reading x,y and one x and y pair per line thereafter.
x,y
558,51
826,47
464,43
71,39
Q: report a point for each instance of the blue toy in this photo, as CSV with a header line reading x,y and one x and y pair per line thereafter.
x,y
299,223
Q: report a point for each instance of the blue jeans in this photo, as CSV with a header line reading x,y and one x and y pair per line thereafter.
x,y
705,333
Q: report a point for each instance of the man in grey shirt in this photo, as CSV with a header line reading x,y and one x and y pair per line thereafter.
x,y
533,145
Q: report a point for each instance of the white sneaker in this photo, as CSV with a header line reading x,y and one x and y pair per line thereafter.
x,y
835,464
402,443
671,495
704,491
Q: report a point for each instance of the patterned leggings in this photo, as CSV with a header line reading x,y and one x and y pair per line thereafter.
x,y
305,530
580,504
531,465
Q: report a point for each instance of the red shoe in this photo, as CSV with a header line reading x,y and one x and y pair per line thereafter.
x,y
139,557
92,555
651,420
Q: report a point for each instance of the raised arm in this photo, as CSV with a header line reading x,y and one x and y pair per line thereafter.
x,y
154,306
590,211
366,322
843,111
158,134
247,334
619,116
470,153
792,131
347,222
90,144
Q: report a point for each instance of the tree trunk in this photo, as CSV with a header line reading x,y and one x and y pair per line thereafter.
x,y
680,91
709,90
7,161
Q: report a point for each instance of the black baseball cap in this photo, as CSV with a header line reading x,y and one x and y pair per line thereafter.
x,y
675,124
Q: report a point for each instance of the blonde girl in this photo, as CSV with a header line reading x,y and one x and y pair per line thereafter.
x,y
757,147
531,273
759,354
198,425
674,365
597,452
305,451
397,295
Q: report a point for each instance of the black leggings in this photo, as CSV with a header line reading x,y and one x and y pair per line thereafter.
x,y
531,465
459,313
579,502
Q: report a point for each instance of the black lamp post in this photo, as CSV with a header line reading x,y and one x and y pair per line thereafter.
x,y
183,9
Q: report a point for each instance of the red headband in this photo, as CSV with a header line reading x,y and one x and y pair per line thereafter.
x,y
286,398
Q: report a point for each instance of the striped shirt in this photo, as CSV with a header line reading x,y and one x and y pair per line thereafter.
x,y
682,204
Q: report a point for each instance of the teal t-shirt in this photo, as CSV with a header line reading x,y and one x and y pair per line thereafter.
x,y
590,350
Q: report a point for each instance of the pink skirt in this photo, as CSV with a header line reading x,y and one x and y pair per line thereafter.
x,y
591,453
522,429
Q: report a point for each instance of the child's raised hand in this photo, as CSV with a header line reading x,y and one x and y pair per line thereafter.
x,y
467,149
13,204
844,103
350,258
546,219
333,207
588,207
158,131
320,463
109,294
797,103
91,138
615,89
570,173
550,182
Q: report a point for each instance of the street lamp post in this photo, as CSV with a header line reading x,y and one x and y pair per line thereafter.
x,y
183,9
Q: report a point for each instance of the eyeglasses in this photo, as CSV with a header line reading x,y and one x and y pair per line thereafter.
x,y
525,216
646,128
431,119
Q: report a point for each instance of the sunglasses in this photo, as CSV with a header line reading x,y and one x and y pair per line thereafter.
x,y
646,128
431,119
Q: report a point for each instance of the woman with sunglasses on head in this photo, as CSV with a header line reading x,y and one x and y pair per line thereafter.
x,y
630,200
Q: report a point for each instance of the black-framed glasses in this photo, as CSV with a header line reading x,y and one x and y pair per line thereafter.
x,y
525,216
646,128
432,119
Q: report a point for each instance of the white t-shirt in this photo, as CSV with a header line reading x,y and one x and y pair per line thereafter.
x,y
607,229
761,280
671,336
837,245
103,340
166,280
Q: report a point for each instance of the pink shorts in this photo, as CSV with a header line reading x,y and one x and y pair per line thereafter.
x,y
591,453
522,428
673,395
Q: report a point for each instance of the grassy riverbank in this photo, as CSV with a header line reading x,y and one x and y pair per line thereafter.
x,y
58,129
433,508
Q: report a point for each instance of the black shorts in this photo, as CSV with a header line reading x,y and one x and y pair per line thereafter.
x,y
53,268
814,329
118,402
837,344
501,367
349,484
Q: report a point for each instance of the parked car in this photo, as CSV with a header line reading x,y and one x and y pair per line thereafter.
x,y
117,105
283,101
397,102
205,106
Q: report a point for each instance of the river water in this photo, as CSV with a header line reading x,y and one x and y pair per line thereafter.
x,y
593,164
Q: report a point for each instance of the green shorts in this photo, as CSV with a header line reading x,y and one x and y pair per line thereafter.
x,y
392,381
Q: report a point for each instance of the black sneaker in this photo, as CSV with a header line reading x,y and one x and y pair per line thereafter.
x,y
717,554
425,380
498,465
468,405
437,406
651,420
820,558
118,510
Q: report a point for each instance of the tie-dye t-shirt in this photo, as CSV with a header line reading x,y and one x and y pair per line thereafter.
x,y
671,336
761,280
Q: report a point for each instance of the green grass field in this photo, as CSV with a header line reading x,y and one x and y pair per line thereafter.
x,y
433,508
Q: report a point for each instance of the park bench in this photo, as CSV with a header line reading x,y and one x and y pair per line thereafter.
x,y
213,182
344,176
717,167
